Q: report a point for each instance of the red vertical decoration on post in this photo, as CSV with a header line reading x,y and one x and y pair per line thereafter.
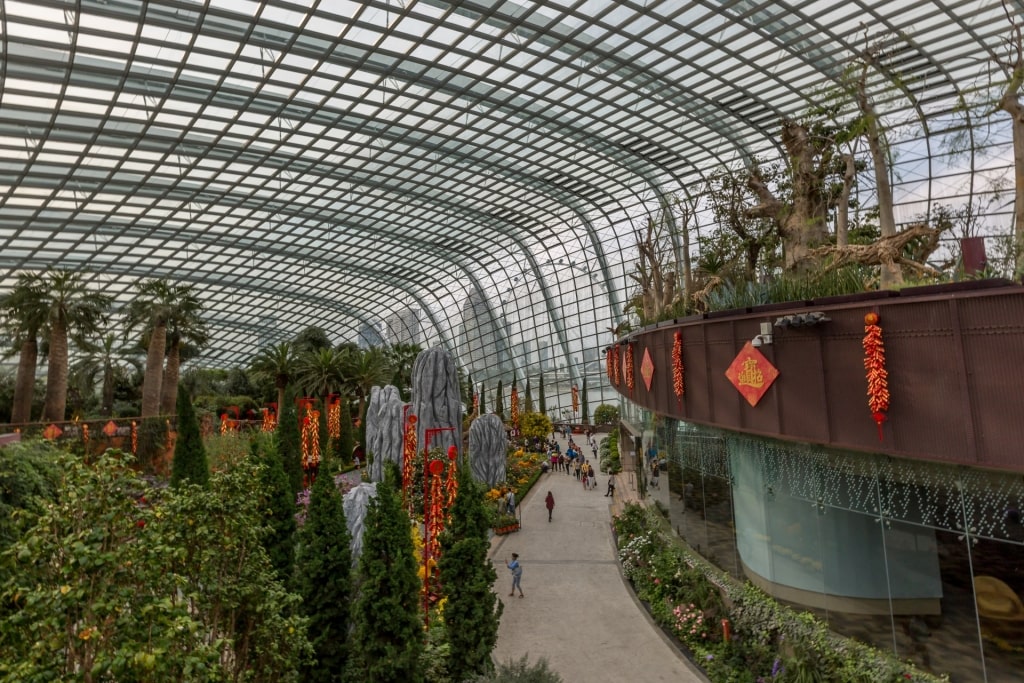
x,y
408,456
677,368
630,377
877,376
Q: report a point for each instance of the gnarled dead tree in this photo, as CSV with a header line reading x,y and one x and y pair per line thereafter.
x,y
800,221
654,274
888,252
1012,67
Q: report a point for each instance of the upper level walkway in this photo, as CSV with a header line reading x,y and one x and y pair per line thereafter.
x,y
578,612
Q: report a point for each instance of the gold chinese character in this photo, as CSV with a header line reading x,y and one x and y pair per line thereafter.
x,y
750,375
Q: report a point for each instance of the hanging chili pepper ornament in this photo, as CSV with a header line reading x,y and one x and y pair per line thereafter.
x,y
677,368
874,366
630,379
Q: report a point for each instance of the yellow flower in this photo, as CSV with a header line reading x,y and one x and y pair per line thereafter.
x,y
87,633
64,590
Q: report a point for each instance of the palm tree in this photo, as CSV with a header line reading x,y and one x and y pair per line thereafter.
x,y
401,357
184,328
321,372
365,370
148,314
106,360
277,363
72,308
24,313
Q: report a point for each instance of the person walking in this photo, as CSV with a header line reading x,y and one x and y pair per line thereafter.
x,y
583,478
611,486
593,476
549,503
517,575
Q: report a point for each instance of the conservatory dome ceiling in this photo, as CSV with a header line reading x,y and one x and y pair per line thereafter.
x,y
344,163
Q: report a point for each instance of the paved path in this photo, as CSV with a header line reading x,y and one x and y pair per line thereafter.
x,y
578,611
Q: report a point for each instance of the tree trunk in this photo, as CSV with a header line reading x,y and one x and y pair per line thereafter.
x,y
1012,106
153,378
169,384
56,372
282,384
843,205
804,224
108,391
25,383
890,275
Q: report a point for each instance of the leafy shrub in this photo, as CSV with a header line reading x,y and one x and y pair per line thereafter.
x,y
521,671
534,425
29,476
606,414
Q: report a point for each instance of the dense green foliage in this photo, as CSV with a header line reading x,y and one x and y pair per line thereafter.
x,y
289,442
130,583
542,405
278,504
606,414
499,401
323,580
29,477
190,464
584,404
345,442
473,611
388,622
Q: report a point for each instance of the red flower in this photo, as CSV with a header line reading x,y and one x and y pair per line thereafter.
x,y
141,523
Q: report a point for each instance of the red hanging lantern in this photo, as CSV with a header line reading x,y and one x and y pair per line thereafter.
x,y
877,375
677,368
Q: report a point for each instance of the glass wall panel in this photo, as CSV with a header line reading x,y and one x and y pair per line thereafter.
x,y
921,559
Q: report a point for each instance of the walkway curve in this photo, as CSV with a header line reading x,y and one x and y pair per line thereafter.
x,y
578,612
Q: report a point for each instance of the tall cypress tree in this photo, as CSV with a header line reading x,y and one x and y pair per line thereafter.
x,y
584,404
289,442
344,444
483,395
189,453
473,611
528,403
323,579
278,500
387,615
541,404
499,401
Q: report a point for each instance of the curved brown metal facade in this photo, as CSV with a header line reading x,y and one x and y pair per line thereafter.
x,y
954,356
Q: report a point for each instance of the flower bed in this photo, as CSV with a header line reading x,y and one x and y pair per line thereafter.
x,y
735,632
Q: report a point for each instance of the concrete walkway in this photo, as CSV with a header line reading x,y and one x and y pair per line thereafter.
x,y
578,612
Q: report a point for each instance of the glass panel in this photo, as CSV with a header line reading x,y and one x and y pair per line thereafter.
x,y
998,589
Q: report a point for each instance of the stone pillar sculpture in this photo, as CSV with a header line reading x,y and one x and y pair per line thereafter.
x,y
436,401
356,502
384,429
488,449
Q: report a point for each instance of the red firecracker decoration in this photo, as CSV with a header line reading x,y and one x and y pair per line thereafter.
x,y
874,366
677,368
408,457
616,375
575,399
268,421
515,406
630,378
135,438
608,368
334,418
311,439
451,484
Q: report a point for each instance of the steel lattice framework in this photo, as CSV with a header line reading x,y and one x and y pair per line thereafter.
x,y
464,174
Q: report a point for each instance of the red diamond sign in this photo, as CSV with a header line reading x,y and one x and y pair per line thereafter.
x,y
647,369
751,373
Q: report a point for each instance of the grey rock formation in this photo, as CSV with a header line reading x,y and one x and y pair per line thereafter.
x,y
488,449
436,400
356,503
384,429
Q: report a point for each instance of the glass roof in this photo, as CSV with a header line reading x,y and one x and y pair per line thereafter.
x,y
465,174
